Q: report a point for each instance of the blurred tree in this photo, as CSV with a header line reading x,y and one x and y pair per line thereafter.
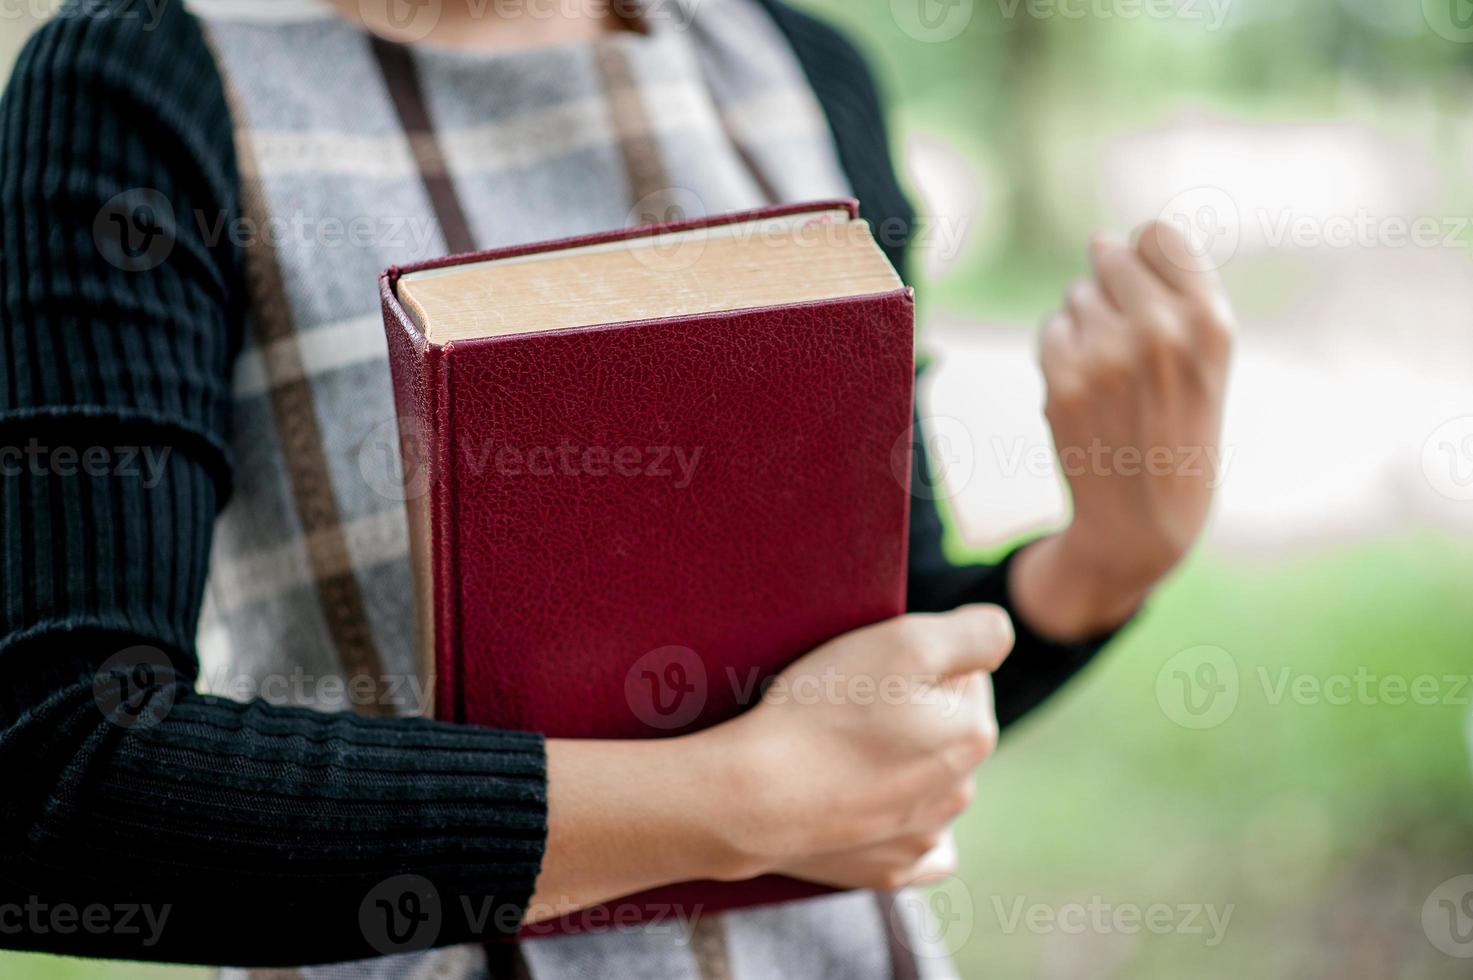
x,y
1025,78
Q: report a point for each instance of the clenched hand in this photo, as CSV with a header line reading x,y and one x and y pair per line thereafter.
x,y
1136,368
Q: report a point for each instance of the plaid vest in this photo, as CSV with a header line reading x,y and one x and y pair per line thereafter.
x,y
356,155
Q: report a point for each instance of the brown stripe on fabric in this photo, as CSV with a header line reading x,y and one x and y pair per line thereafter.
x,y
903,964
504,961
634,133
402,78
753,168
295,415
708,947
270,974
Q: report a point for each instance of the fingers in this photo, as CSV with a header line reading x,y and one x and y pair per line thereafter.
x,y
1059,354
1089,309
971,718
970,638
1102,332
938,863
922,857
1156,317
1125,278
1155,312
1167,253
1056,346
1207,311
885,866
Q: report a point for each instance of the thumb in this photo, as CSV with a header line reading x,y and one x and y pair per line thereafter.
x,y
970,638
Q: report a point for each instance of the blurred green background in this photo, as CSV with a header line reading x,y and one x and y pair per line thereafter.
x,y
1252,748
1324,823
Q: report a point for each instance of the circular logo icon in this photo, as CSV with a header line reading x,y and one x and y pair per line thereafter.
x,y
135,230
1210,224
392,460
943,442
669,205
1447,459
1447,917
1198,687
136,687
935,920
932,21
1451,20
401,915
403,21
666,688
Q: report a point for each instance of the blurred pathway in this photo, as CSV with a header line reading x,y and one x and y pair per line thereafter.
x,y
1351,410
1357,438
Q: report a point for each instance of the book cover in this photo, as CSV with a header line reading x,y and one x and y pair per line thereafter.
x,y
620,530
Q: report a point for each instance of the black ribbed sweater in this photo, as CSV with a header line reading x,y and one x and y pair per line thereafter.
x,y
262,828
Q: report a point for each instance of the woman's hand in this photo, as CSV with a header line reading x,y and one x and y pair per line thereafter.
x,y
875,771
887,866
1136,370
848,772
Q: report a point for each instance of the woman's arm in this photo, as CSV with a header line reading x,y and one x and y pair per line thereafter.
x,y
253,834
258,835
1040,663
1136,371
261,829
873,758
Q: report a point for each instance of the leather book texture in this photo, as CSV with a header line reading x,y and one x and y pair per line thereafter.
x,y
620,531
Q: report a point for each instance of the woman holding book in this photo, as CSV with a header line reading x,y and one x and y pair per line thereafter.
x,y
194,204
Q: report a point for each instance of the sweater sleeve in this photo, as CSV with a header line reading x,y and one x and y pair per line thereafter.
x,y
852,103
252,834
1038,666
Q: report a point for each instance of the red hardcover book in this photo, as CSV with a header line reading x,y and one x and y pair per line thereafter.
x,y
648,469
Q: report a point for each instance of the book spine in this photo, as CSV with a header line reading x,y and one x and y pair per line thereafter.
x,y
440,443
420,379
